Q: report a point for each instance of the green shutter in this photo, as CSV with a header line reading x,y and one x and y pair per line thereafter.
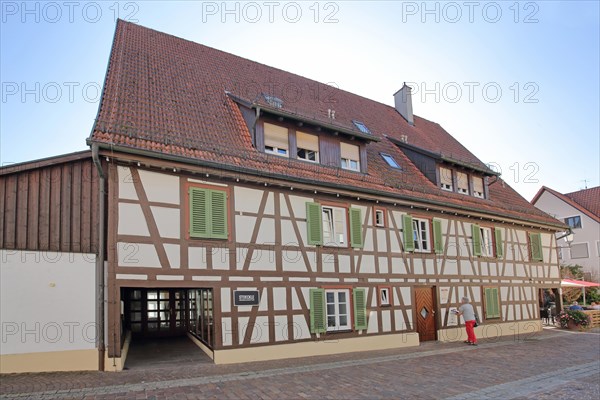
x,y
314,223
356,239
360,309
438,242
317,311
492,306
407,233
199,199
208,213
476,233
499,243
218,214
535,243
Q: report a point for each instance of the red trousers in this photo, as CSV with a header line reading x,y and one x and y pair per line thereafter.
x,y
470,331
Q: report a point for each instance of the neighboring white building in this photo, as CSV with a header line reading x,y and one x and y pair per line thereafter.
x,y
581,211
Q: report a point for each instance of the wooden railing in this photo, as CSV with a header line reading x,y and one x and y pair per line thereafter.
x,y
595,316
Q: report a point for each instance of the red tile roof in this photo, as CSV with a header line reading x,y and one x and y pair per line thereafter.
x,y
587,200
167,95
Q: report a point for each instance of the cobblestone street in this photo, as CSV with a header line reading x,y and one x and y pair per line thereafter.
x,y
553,364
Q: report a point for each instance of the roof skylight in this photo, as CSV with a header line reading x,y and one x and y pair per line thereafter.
x,y
362,127
390,160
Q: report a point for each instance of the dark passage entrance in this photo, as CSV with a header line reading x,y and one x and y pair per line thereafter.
x,y
152,313
159,320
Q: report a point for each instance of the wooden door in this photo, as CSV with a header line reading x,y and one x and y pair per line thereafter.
x,y
426,316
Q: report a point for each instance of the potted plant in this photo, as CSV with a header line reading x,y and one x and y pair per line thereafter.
x,y
573,319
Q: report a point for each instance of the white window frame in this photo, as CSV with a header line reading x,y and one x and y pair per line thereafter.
x,y
352,165
574,216
487,241
277,151
348,163
458,183
445,186
477,194
335,232
380,222
307,152
384,296
337,314
422,235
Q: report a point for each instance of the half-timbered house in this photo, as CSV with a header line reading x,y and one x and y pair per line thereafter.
x,y
267,215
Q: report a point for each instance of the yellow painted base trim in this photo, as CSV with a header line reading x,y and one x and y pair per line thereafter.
x,y
202,346
491,331
315,348
67,360
116,364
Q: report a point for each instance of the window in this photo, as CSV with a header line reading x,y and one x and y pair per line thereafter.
x,y
208,213
446,179
276,140
573,222
308,147
487,249
338,309
579,250
462,182
535,247
362,127
327,225
421,234
491,302
350,156
379,218
390,160
478,187
334,226
330,310
384,296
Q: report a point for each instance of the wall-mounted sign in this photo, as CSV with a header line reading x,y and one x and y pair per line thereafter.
x,y
246,298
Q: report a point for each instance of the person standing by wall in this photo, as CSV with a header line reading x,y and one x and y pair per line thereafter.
x,y
468,314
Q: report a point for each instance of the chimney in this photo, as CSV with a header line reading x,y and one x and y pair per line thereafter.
x,y
403,103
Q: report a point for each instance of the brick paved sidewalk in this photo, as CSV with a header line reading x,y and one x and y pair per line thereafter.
x,y
537,366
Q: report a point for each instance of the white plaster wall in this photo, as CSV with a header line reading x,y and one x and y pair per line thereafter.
x,y
160,188
167,221
132,220
137,255
47,301
126,188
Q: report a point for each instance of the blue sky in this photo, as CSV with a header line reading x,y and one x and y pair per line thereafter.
x,y
516,82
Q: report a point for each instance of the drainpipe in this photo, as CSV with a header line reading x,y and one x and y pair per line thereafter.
x,y
100,260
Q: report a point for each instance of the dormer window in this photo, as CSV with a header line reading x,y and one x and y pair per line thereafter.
x,y
350,156
478,187
446,179
462,182
276,140
308,147
362,127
